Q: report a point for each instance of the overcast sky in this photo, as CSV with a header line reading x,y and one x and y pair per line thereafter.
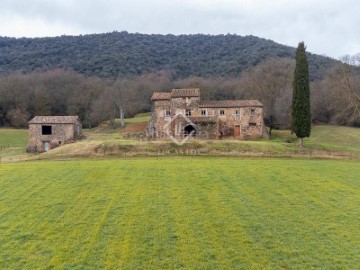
x,y
329,27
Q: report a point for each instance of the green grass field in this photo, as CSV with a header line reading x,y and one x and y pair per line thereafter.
x,y
13,142
190,213
13,137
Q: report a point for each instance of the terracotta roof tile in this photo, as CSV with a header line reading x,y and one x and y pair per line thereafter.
x,y
161,96
185,92
54,120
230,103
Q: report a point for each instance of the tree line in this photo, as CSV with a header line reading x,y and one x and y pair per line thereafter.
x,y
335,98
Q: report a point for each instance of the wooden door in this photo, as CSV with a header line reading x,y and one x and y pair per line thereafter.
x,y
237,131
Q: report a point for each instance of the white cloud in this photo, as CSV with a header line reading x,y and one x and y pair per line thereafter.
x,y
327,26
26,27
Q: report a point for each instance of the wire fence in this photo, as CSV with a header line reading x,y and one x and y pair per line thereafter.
x,y
16,145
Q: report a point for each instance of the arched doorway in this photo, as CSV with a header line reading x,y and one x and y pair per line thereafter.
x,y
189,130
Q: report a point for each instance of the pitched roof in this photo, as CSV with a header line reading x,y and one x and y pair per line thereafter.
x,y
161,96
185,92
54,120
230,103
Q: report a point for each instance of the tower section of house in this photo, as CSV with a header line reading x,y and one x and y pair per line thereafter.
x,y
48,132
181,113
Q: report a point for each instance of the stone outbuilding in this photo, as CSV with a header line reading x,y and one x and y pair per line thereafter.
x,y
48,132
181,113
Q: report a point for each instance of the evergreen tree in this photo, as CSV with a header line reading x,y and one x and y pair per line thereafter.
x,y
301,116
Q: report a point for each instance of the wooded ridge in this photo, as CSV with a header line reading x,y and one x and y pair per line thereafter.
x,y
123,54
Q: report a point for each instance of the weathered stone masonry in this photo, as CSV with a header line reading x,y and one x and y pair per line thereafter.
x,y
180,112
48,132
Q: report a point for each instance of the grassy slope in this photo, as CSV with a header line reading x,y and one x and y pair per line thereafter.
x,y
325,141
327,137
207,213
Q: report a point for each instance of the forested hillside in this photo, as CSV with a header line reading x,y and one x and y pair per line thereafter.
x,y
121,54
92,76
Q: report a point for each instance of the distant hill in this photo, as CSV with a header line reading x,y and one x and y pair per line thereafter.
x,y
124,54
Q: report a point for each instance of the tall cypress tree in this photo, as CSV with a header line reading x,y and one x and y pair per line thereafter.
x,y
301,116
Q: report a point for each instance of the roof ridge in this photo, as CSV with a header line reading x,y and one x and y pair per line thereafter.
x,y
185,92
61,119
231,103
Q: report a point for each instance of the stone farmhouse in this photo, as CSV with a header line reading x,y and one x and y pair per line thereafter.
x,y
48,132
181,113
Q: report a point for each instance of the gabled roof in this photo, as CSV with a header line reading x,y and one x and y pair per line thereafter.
x,y
54,120
185,92
161,96
230,103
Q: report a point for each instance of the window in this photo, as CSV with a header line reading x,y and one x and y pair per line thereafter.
x,y
222,112
167,112
252,124
252,111
46,130
237,112
203,113
188,112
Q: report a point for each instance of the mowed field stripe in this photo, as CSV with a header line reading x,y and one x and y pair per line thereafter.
x,y
209,213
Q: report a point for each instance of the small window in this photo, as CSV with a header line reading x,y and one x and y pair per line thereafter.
x,y
60,142
252,111
167,112
222,112
46,130
188,112
203,112
252,124
237,112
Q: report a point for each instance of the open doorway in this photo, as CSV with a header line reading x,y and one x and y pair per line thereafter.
x,y
189,130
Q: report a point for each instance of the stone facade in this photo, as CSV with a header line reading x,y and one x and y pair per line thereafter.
x,y
48,132
180,113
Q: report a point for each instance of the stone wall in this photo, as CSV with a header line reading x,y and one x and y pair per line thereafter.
x,y
61,134
247,120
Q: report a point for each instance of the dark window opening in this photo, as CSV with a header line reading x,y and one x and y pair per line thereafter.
x,y
252,124
222,112
46,130
252,112
189,130
237,112
203,112
167,112
188,112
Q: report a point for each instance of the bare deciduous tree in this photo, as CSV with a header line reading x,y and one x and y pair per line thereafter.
x,y
18,117
270,82
346,80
